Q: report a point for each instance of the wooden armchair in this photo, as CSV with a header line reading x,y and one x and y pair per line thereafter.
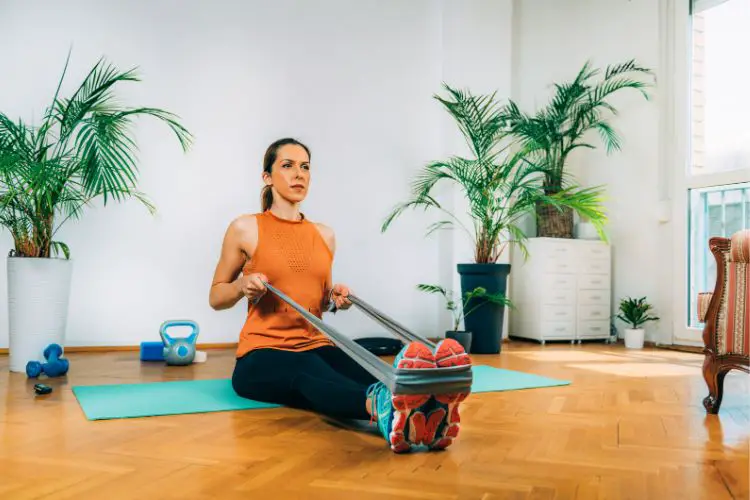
x,y
726,314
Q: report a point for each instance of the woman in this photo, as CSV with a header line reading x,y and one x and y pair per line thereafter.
x,y
281,357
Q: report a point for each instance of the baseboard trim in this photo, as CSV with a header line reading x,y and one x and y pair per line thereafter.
x,y
119,348
202,347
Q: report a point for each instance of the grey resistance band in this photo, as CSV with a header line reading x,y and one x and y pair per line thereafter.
x,y
447,380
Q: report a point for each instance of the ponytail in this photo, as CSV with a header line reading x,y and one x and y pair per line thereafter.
x,y
266,198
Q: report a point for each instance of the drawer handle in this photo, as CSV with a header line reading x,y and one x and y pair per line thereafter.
x,y
596,328
596,297
560,329
560,314
560,297
596,282
561,282
596,313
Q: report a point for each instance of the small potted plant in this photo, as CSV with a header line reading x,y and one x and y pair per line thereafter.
x,y
463,310
635,312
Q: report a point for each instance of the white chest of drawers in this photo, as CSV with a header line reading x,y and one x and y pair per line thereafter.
x,y
562,291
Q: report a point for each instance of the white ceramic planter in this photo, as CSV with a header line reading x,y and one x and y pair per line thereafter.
x,y
634,338
586,231
38,298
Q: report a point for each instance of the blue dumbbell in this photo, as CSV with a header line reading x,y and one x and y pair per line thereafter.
x,y
55,365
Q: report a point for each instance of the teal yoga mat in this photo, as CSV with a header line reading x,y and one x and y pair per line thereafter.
x,y
103,402
491,379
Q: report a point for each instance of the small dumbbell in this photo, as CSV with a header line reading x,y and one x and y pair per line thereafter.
x,y
55,365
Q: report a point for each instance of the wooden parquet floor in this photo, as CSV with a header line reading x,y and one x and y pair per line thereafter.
x,y
630,426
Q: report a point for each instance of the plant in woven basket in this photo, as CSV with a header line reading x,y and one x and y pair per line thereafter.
x,y
562,126
500,181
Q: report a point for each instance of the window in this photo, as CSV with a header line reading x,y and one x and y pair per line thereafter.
x,y
720,100
718,175
715,211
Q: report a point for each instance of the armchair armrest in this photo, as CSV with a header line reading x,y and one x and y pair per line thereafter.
x,y
740,246
704,299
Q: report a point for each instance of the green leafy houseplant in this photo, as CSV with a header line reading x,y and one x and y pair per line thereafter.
x,y
635,313
82,150
456,309
501,186
562,126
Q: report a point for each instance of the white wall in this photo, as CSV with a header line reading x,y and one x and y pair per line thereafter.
x,y
352,79
477,49
552,41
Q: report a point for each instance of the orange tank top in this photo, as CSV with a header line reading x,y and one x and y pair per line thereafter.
x,y
296,259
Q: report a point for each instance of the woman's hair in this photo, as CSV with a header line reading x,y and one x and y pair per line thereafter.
x,y
266,194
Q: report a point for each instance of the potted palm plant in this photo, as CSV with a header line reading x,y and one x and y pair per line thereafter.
x,y
635,313
563,126
82,150
463,337
502,186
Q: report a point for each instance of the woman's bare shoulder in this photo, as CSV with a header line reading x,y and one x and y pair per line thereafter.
x,y
243,233
328,234
245,222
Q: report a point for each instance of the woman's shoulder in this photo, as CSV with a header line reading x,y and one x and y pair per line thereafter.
x,y
243,226
327,233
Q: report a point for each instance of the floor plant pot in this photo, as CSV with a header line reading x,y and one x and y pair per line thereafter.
x,y
634,338
462,337
38,298
486,322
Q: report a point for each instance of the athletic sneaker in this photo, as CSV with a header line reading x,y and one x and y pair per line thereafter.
x,y
448,353
401,418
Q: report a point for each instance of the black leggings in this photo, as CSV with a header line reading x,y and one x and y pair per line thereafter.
x,y
324,380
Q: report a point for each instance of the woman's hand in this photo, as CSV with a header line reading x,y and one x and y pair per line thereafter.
x,y
339,296
252,287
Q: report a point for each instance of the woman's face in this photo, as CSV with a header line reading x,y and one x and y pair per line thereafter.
x,y
290,173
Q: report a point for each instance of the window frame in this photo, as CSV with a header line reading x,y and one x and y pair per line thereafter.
x,y
676,41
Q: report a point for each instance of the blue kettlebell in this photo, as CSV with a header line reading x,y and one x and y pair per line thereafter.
x,y
179,352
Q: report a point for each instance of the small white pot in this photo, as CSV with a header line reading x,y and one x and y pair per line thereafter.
x,y
38,298
587,231
634,338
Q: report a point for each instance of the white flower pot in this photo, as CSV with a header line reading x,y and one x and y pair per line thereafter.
x,y
587,231
634,338
38,297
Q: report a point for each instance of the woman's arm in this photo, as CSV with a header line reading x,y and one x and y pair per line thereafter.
x,y
335,293
227,287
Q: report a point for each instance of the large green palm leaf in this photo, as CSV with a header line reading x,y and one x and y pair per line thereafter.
x,y
83,149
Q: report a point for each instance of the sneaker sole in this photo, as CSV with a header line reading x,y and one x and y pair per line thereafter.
x,y
417,355
450,353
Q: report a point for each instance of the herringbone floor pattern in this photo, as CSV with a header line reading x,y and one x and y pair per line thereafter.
x,y
631,426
